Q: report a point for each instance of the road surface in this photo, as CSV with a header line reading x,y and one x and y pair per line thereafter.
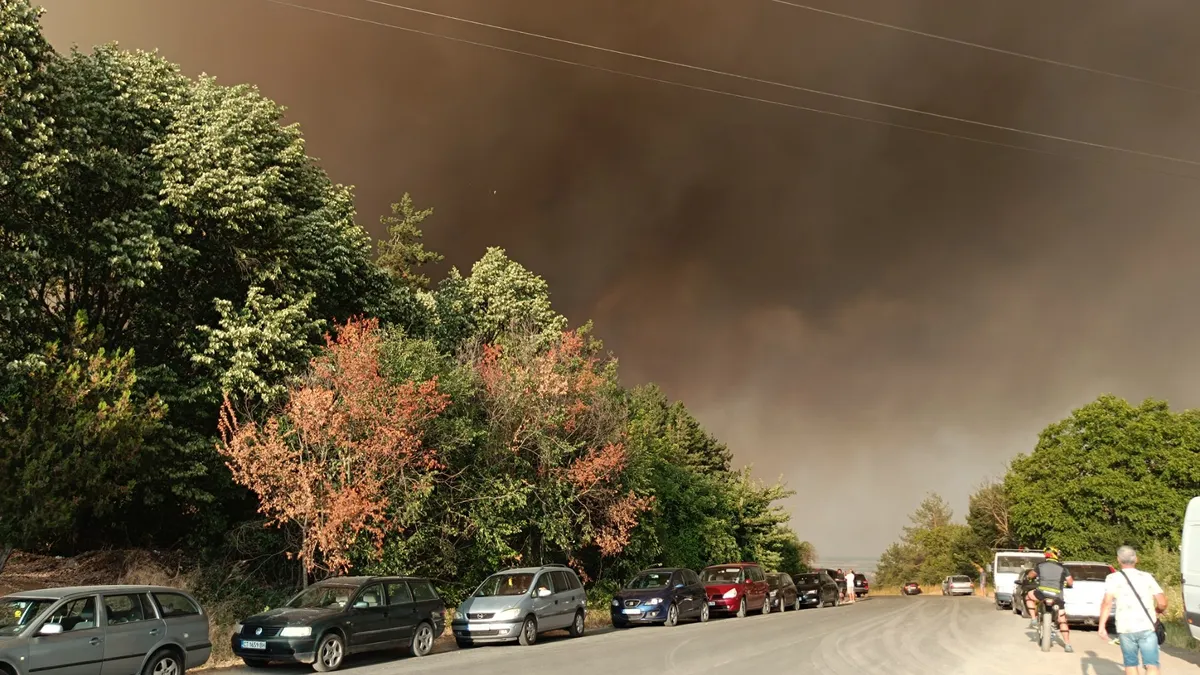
x,y
928,635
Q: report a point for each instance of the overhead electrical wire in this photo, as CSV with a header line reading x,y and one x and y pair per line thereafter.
x,y
997,50
709,90
784,85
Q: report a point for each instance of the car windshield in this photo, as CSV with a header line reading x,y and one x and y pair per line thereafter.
x,y
505,584
17,613
648,580
808,579
722,575
1088,572
323,596
1013,564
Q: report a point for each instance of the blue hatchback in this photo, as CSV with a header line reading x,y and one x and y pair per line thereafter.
x,y
662,595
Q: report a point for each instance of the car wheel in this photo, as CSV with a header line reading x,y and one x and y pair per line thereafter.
x,y
672,615
164,662
577,626
331,651
422,642
255,663
796,606
741,613
704,613
766,608
528,634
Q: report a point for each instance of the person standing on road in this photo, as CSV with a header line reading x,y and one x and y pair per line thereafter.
x,y
850,596
1132,593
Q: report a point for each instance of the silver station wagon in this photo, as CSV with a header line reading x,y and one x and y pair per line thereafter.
x,y
109,630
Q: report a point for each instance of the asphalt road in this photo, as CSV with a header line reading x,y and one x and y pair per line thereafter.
x,y
928,635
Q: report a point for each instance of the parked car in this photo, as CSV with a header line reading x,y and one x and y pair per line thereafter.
x,y
861,586
839,578
662,595
336,617
782,594
1086,594
736,588
517,605
911,588
958,584
86,630
817,589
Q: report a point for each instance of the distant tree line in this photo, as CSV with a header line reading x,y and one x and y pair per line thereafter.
x,y
197,335
1112,473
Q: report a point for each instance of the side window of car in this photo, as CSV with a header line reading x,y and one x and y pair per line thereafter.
x,y
785,580
173,604
690,578
545,580
423,591
371,595
120,609
75,615
562,582
398,594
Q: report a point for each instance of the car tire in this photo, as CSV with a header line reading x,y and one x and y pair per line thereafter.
x,y
164,662
766,608
796,605
577,625
741,612
330,653
528,634
255,663
672,615
422,641
704,613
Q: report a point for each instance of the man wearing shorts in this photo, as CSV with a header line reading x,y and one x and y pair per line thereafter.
x,y
1134,625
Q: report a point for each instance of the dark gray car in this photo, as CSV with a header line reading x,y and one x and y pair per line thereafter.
x,y
102,630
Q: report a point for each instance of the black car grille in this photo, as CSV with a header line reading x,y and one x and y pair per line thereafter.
x,y
632,603
480,616
267,631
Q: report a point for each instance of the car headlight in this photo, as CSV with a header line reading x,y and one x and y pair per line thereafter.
x,y
731,593
654,601
296,631
507,614
616,602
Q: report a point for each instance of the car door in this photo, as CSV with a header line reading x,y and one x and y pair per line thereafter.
x,y
429,607
132,630
78,649
696,590
788,590
543,607
369,623
683,601
564,598
402,612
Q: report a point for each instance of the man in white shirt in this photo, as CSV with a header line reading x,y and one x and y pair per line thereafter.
x,y
1122,591
850,595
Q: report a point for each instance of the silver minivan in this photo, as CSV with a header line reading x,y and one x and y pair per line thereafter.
x,y
103,630
518,604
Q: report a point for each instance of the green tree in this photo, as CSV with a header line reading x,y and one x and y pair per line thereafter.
x,y
1110,474
402,253
932,547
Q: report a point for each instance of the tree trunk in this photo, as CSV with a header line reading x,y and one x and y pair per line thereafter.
x,y
303,575
4,556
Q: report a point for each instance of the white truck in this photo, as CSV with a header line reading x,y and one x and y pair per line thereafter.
x,y
1006,567
1189,559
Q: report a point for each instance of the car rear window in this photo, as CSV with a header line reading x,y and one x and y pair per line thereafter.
x,y
960,580
174,604
1088,572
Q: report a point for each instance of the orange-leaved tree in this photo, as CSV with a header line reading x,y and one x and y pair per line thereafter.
x,y
345,440
555,419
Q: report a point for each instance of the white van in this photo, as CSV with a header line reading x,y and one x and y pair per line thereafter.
x,y
1006,567
1189,558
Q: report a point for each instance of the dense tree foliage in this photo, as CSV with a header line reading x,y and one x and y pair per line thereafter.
x,y
195,328
931,548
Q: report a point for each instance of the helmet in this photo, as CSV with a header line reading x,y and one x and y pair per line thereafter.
x,y
1052,553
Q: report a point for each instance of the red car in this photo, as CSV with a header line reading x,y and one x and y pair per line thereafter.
x,y
736,588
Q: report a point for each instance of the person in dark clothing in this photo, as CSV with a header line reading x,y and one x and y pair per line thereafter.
x,y
1052,579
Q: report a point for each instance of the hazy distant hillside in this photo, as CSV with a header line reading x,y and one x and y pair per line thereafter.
x,y
862,565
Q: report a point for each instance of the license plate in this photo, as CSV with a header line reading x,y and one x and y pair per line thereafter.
x,y
711,603
253,644
479,626
632,611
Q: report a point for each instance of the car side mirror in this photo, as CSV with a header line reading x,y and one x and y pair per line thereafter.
x,y
361,604
543,592
50,629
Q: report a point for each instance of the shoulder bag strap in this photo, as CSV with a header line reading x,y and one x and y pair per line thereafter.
x,y
1139,598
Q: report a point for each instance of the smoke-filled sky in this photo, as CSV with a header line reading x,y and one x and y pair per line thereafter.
x,y
870,312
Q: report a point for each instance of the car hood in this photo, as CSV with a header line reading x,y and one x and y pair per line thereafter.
x,y
491,604
287,616
640,593
720,589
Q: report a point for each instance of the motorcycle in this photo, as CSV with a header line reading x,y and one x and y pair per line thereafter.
x,y
1047,622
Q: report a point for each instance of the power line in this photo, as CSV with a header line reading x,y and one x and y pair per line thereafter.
x,y
784,85
719,92
997,50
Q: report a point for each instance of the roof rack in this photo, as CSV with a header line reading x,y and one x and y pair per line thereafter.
x,y
557,565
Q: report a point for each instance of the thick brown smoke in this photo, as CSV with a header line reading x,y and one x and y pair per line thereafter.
x,y
869,311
